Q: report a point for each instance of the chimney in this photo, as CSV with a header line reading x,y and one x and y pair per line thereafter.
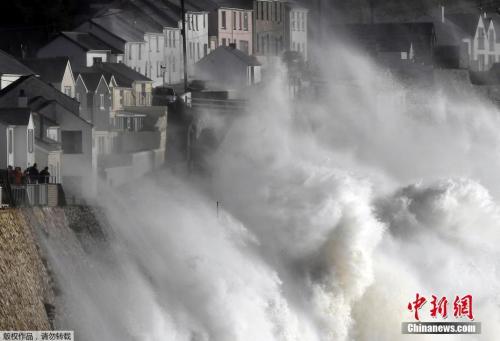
x,y
443,19
22,100
232,46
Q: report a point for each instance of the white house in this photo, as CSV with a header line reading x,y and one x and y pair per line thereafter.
x,y
17,138
59,124
478,38
296,35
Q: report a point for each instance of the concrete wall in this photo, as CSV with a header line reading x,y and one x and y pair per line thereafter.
x,y
137,141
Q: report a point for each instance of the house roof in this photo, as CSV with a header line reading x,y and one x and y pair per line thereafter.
x,y
113,23
242,4
467,22
495,19
50,70
223,52
158,12
15,116
35,87
91,79
10,65
88,41
391,37
124,75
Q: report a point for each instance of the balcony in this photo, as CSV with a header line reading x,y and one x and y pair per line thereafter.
x,y
43,191
142,99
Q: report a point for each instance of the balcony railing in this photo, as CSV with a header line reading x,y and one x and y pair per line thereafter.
x,y
143,99
45,194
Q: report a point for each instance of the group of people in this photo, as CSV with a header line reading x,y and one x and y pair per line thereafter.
x,y
30,176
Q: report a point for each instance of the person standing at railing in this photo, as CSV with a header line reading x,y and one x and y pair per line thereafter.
x,y
10,174
18,176
44,176
32,173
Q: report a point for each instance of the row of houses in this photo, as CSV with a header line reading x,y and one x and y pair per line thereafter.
x,y
146,35
446,40
82,123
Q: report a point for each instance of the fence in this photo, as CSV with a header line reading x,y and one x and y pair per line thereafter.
x,y
35,195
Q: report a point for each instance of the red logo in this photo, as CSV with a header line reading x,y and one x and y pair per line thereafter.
x,y
462,306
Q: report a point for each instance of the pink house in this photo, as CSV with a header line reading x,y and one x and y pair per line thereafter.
x,y
229,25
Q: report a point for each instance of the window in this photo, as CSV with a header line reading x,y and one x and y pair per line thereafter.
x,y
71,141
67,90
30,140
244,46
101,101
97,60
174,37
130,52
293,20
121,97
196,17
223,20
204,21
223,41
480,39
491,60
173,63
205,50
198,50
158,69
140,51
276,11
157,43
245,21
261,10
234,20
78,97
101,145
53,134
241,22
10,141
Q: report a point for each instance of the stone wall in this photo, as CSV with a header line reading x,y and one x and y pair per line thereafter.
x,y
24,280
30,297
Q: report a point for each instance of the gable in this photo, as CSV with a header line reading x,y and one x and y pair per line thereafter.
x,y
79,83
102,87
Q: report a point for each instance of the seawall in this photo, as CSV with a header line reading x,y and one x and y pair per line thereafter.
x,y
29,294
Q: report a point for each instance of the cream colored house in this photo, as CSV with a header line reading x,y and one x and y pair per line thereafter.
x,y
56,71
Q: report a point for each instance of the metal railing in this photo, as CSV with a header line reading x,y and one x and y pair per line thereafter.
x,y
45,194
